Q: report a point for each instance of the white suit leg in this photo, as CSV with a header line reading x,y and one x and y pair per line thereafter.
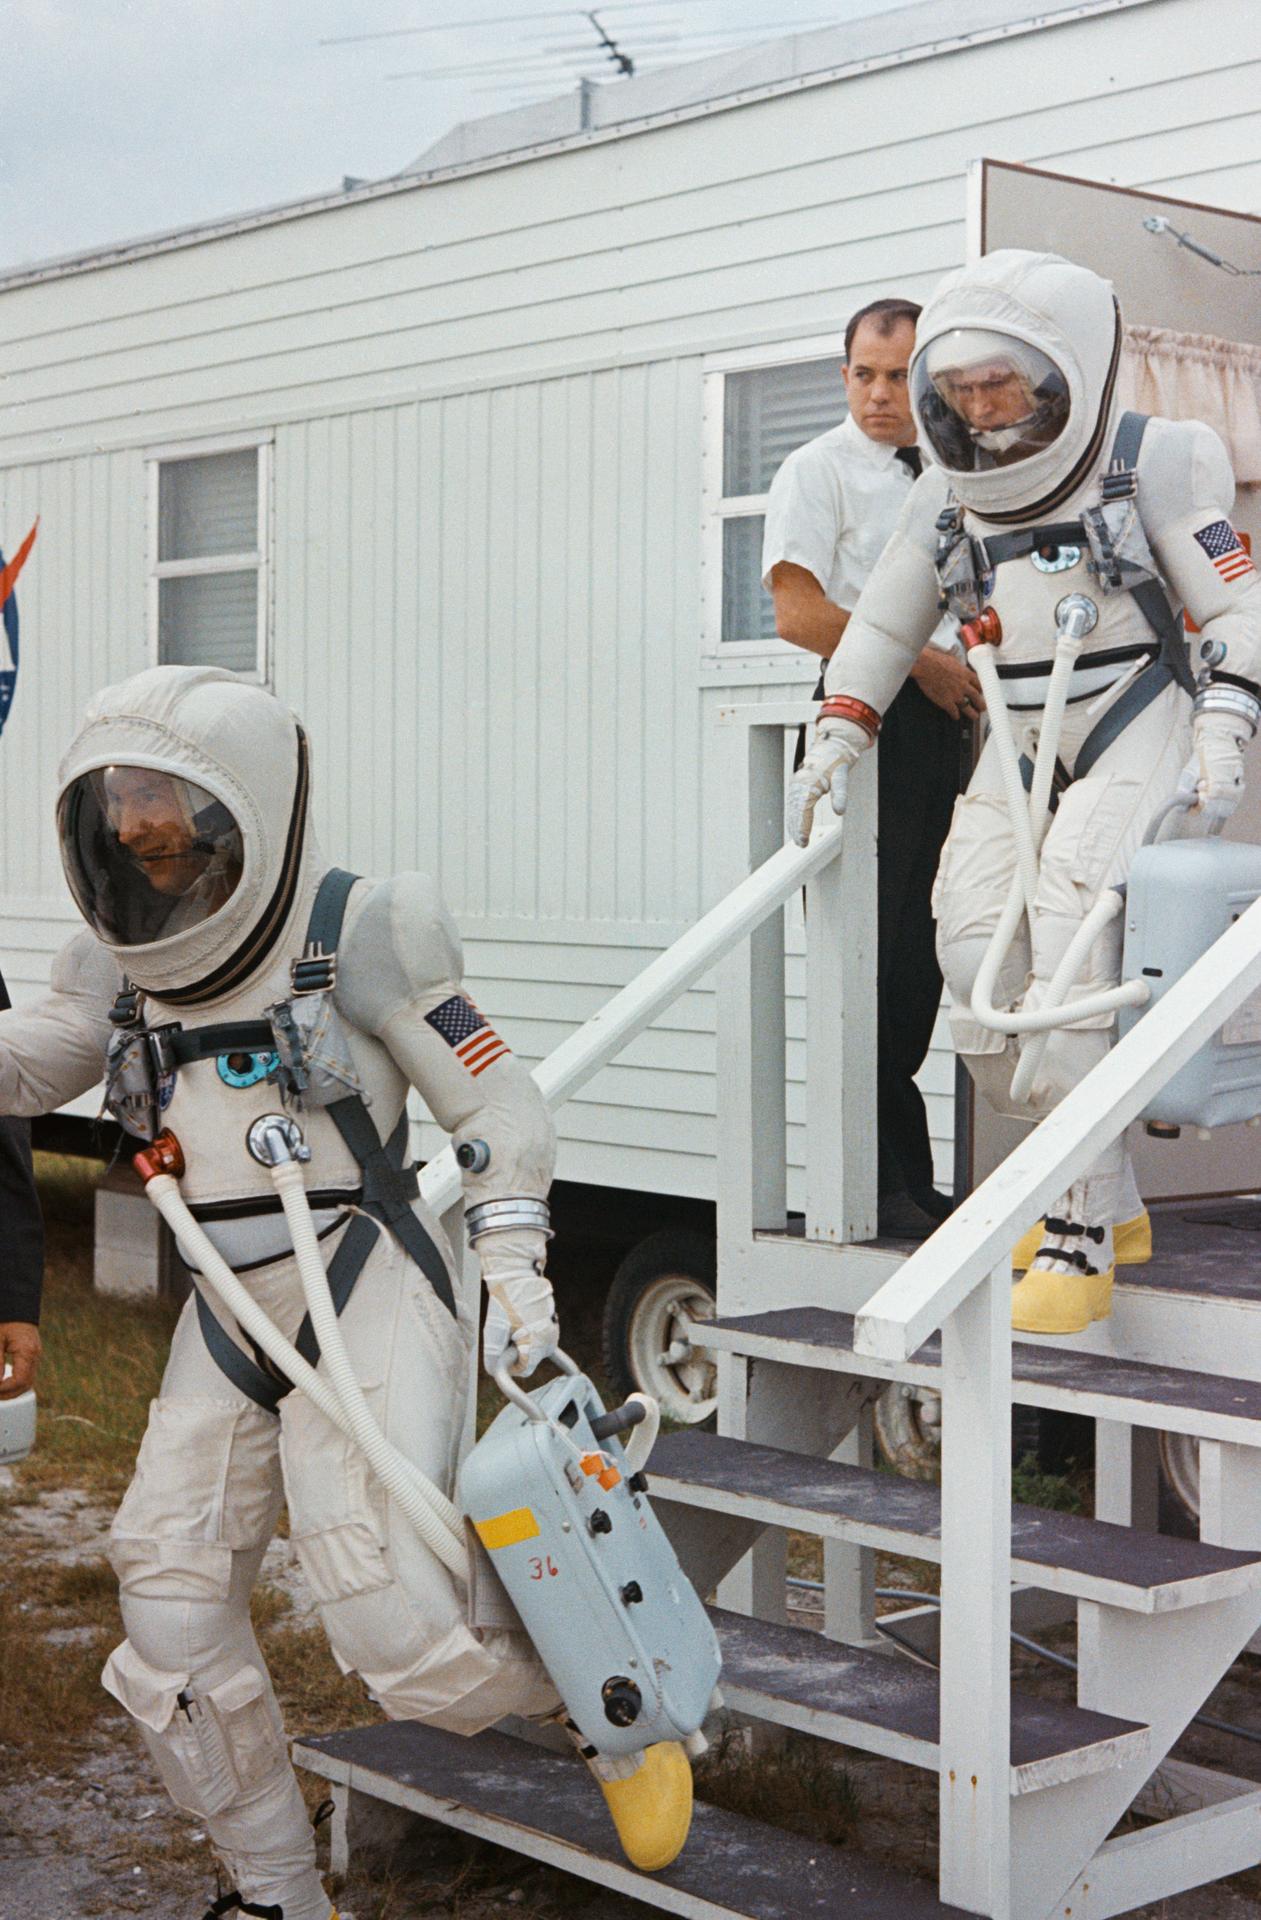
x,y
186,1543
392,1612
1092,839
969,894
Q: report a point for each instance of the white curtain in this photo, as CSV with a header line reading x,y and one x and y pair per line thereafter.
x,y
1194,376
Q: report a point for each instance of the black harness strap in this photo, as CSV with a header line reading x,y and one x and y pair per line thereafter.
x,y
324,928
1014,546
1171,666
1060,779
388,1187
246,1374
231,1036
387,1191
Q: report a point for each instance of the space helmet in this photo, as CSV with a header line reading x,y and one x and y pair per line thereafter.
x,y
1013,379
182,824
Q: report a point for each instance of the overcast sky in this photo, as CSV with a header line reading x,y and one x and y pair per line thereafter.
x,y
123,117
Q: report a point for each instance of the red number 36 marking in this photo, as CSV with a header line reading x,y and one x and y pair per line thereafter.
x,y
540,1567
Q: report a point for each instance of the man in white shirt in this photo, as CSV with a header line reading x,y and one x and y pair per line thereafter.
x,y
833,505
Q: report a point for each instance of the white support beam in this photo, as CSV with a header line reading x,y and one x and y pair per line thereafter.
x,y
841,1028
975,1805
751,1032
1162,1861
937,1278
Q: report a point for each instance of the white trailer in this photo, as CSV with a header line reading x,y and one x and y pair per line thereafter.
x,y
469,464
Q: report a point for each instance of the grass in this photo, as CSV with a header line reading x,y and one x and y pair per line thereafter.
x,y
1031,1487
50,1691
103,1358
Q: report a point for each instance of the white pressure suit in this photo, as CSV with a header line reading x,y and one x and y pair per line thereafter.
x,y
1061,494
220,974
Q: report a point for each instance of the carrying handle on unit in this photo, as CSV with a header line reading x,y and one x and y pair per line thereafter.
x,y
511,1390
638,1418
1180,803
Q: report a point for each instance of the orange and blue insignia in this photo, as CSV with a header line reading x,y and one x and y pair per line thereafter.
x,y
468,1033
9,571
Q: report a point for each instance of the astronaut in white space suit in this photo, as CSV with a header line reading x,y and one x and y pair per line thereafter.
x,y
224,963
1044,488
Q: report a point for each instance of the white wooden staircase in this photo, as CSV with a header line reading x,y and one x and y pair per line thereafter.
x,y
811,1328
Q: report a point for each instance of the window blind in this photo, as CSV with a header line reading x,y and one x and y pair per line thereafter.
x,y
208,505
767,411
209,620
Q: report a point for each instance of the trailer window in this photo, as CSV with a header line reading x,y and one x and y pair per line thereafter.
x,y
765,412
209,559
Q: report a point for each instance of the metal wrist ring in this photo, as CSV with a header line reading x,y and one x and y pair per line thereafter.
x,y
1216,698
499,1216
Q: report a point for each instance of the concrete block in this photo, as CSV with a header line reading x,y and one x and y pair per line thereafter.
x,y
134,1255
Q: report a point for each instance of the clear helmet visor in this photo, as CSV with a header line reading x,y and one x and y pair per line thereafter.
x,y
146,854
987,400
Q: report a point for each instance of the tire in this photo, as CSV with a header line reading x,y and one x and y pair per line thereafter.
x,y
1180,1485
667,1281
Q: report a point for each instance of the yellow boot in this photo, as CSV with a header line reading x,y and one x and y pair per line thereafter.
x,y
652,1807
1131,1240
1058,1302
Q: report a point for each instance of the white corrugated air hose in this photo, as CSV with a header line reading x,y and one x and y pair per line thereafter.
x,y
434,1517
1076,617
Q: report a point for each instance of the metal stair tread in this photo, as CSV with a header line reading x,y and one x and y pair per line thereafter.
x,y
868,1693
1041,1375
546,1806
1094,1559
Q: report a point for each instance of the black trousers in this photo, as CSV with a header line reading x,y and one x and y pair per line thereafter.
x,y
21,1224
919,765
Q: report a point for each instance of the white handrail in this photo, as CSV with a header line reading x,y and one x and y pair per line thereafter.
x,y
577,1059
934,1282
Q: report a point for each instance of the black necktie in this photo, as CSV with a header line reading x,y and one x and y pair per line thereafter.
x,y
911,459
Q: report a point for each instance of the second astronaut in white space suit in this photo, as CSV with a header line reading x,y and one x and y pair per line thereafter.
x,y
224,960
1042,487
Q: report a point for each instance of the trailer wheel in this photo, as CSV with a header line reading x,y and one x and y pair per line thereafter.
x,y
908,1431
1180,1483
663,1289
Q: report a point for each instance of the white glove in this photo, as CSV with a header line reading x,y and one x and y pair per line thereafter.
x,y
833,751
1214,773
522,1312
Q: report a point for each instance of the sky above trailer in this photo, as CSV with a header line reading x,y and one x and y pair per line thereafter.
x,y
129,117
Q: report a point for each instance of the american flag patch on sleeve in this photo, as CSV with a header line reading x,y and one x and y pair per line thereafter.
x,y
470,1036
1225,549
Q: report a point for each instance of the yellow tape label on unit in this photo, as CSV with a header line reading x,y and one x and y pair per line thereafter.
x,y
507,1529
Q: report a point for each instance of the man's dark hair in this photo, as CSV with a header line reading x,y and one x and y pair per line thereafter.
x,y
885,314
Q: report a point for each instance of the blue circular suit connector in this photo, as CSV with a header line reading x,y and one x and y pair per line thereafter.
x,y
246,1069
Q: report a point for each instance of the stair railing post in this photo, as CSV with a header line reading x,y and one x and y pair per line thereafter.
x,y
752,1124
752,1117
975,1758
841,1027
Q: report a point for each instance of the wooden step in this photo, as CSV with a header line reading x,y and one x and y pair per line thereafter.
x,y
1102,1386
887,1704
547,1806
1091,1559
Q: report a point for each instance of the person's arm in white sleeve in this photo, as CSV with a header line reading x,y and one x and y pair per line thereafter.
x,y
53,1050
1186,493
400,976
805,518
891,625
